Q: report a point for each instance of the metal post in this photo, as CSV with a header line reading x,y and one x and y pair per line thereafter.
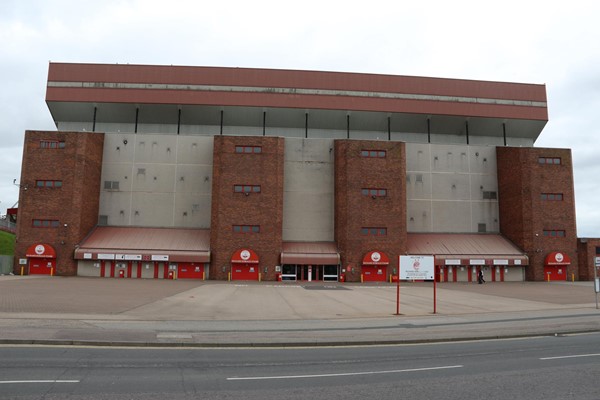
x,y
398,294
434,297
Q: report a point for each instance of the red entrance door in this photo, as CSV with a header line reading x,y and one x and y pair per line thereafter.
x,y
244,272
374,273
190,271
42,266
555,273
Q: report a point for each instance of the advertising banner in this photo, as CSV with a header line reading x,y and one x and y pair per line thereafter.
x,y
416,267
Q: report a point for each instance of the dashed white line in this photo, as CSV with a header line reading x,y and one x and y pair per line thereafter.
x,y
41,381
395,371
571,356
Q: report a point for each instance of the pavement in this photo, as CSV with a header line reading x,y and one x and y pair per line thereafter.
x,y
134,312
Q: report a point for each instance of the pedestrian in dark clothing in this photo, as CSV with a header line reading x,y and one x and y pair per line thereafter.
x,y
480,279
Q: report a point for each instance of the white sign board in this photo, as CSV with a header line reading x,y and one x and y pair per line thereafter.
x,y
159,257
597,261
106,256
597,285
416,267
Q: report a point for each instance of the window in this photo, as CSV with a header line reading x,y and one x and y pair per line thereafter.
x,y
549,160
373,153
246,188
554,233
52,144
45,223
374,192
552,196
248,149
111,185
48,184
490,195
373,231
246,228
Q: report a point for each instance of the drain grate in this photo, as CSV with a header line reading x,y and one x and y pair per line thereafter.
x,y
325,287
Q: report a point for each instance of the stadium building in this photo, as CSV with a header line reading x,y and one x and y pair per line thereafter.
x,y
258,174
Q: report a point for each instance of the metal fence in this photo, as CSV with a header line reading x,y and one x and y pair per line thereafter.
x,y
7,225
6,265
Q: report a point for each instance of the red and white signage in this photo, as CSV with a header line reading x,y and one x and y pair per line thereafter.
x,y
416,267
244,256
40,251
375,258
557,258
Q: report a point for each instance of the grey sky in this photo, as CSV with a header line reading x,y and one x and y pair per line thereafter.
x,y
554,43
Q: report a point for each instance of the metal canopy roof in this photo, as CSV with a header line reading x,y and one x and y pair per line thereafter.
x,y
283,98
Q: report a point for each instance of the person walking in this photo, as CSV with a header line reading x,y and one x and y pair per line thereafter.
x,y
480,279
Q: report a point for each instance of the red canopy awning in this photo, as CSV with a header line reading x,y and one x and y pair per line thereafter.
x,y
376,258
40,250
310,253
245,256
557,258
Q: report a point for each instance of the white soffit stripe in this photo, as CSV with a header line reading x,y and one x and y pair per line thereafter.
x,y
292,91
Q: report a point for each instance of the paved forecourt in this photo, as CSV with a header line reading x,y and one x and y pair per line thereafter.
x,y
260,313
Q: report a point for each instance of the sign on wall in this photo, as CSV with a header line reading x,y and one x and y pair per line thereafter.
x,y
417,267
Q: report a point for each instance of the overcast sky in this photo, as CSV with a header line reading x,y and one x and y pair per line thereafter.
x,y
551,43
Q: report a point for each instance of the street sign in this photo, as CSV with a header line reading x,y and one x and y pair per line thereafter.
x,y
417,268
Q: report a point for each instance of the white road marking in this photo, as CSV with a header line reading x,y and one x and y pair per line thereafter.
x,y
396,371
572,356
41,381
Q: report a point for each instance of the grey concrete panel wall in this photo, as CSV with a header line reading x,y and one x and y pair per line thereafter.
x,y
195,150
418,157
368,135
418,216
114,127
485,212
242,130
164,180
451,216
156,128
446,185
486,140
308,199
88,268
209,130
519,142
287,132
452,186
152,209
326,133
447,138
192,210
75,126
156,149
409,137
418,185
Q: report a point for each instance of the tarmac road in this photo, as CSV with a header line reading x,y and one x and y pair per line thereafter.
x,y
533,368
71,310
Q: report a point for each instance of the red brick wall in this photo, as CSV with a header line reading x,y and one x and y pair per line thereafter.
x,y
74,205
354,210
587,254
264,209
524,216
